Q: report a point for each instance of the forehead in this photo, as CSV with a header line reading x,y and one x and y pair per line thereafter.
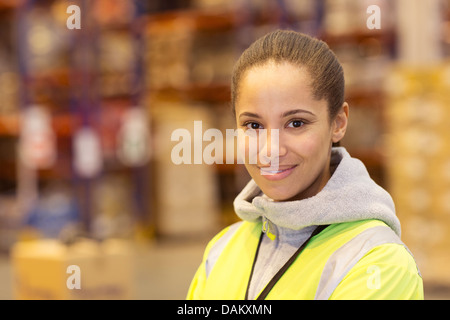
x,y
276,86
284,72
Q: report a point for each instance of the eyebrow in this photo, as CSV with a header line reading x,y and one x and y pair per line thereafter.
x,y
295,111
286,114
249,114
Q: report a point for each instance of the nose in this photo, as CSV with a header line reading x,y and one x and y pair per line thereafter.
x,y
270,147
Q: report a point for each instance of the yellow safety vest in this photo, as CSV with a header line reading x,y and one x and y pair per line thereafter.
x,y
353,260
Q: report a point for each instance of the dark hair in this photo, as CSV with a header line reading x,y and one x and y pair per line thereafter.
x,y
300,50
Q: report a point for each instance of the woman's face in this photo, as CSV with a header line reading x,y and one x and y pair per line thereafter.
x,y
278,96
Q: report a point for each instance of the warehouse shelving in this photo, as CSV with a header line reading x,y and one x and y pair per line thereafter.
x,y
218,25
57,88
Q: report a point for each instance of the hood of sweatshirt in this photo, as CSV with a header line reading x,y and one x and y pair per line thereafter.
x,y
349,195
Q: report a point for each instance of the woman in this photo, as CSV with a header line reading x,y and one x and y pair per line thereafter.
x,y
317,226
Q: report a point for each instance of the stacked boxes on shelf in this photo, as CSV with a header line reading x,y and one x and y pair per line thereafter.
x,y
418,151
189,58
187,195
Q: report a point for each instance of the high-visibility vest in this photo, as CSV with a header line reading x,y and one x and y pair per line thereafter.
x,y
352,260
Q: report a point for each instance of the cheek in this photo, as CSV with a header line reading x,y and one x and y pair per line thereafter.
x,y
309,146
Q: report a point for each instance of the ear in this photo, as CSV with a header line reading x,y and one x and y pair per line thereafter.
x,y
339,124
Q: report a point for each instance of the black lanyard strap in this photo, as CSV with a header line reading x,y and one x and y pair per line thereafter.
x,y
284,268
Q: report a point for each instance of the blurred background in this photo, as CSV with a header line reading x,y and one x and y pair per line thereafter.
x,y
86,117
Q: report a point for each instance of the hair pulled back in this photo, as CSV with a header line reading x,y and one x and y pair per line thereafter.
x,y
300,50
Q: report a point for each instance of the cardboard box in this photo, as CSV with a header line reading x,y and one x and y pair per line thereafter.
x,y
49,269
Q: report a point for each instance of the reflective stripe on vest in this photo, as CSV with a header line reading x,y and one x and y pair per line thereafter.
x,y
345,258
318,270
217,248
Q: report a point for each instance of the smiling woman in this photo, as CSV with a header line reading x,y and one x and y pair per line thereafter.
x,y
317,226
303,123
294,84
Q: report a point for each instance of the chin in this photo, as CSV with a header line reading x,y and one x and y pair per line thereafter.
x,y
279,194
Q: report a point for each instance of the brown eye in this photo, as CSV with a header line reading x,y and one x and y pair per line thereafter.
x,y
296,124
253,125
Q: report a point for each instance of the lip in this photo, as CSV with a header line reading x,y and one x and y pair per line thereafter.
x,y
274,175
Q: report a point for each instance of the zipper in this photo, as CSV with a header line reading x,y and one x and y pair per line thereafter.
x,y
268,229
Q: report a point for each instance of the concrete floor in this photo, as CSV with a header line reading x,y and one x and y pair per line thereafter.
x,y
164,271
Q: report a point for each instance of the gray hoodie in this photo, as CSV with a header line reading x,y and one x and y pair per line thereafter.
x,y
349,195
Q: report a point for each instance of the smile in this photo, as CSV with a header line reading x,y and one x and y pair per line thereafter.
x,y
271,174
